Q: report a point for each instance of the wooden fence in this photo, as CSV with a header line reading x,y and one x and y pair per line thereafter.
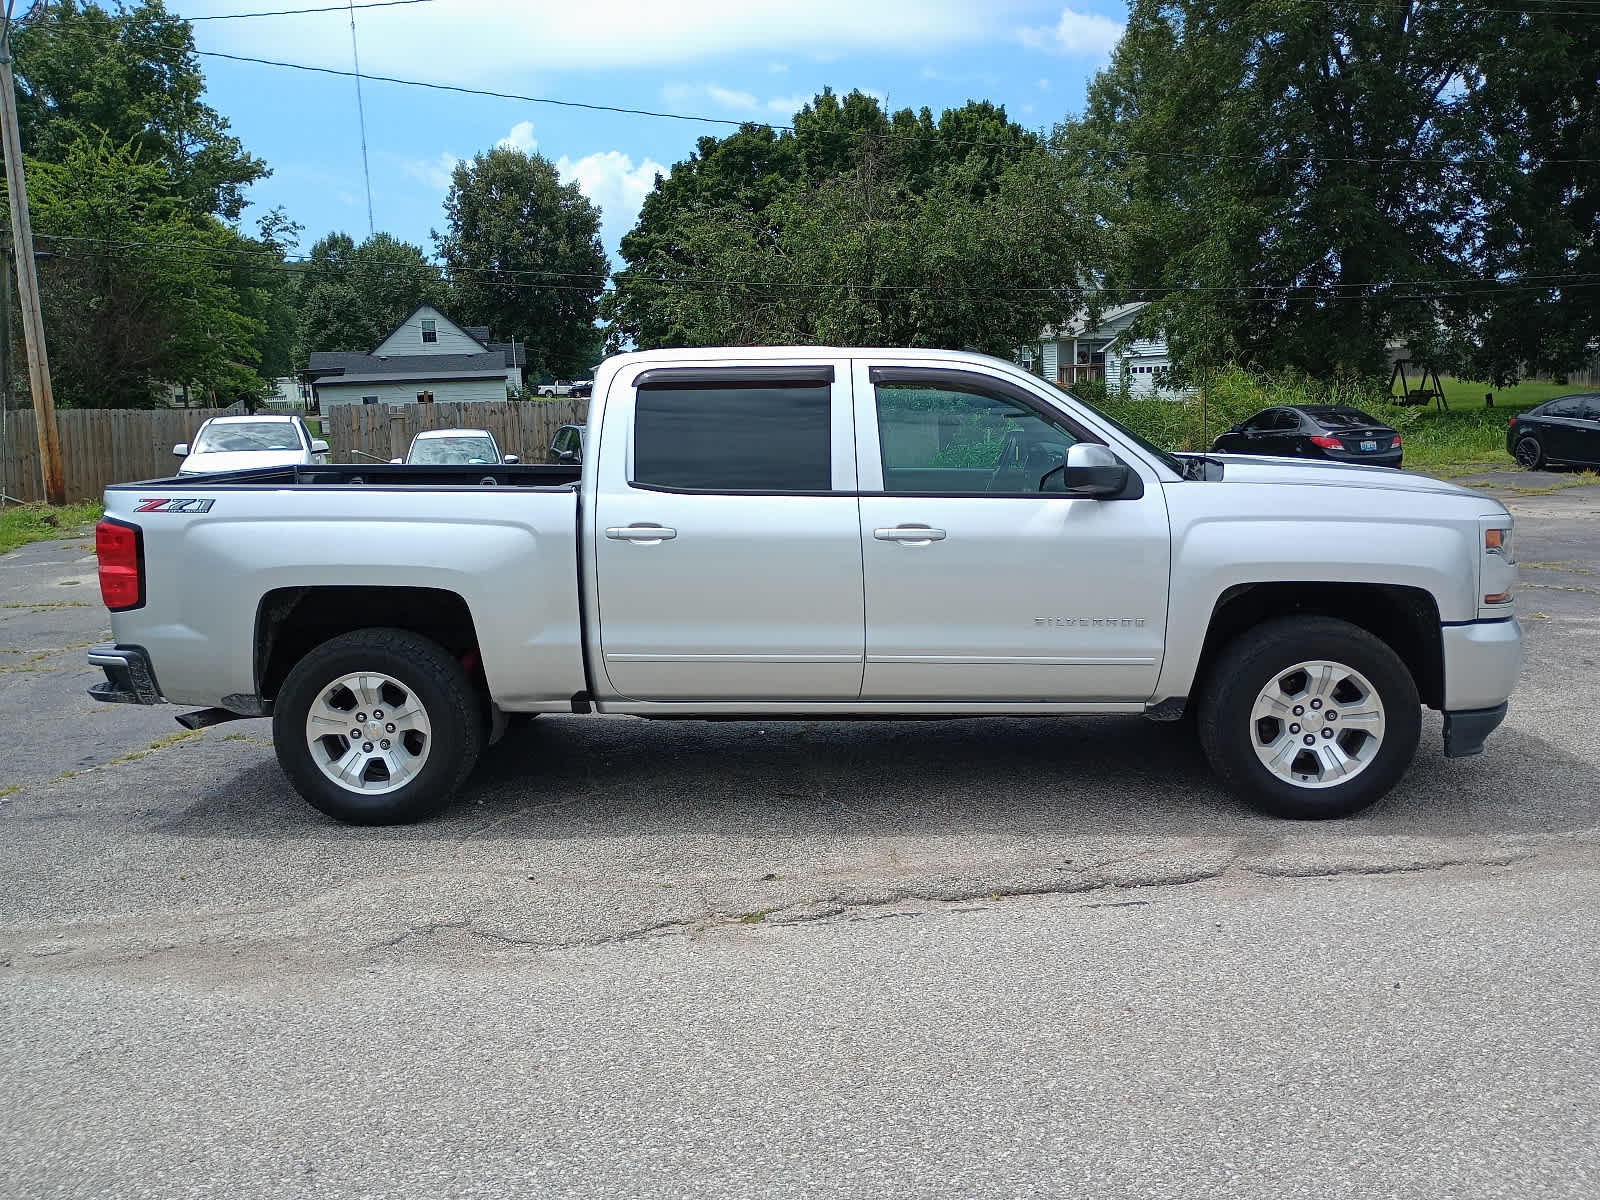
x,y
102,446
522,427
99,447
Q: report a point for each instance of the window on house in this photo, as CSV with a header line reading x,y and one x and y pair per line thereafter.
x,y
369,399
430,330
424,397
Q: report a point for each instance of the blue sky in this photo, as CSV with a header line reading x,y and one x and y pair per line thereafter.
x,y
751,60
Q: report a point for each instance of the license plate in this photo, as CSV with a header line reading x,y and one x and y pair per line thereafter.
x,y
1369,445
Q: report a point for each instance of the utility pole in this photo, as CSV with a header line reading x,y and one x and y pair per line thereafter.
x,y
44,408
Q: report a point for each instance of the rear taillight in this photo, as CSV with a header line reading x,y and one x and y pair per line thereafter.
x,y
120,547
1396,442
1511,424
1327,443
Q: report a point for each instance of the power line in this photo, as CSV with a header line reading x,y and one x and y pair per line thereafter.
x,y
361,112
295,12
297,262
879,135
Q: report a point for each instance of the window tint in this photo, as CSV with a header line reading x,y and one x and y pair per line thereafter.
x,y
240,436
1570,407
1345,418
734,439
1285,420
953,442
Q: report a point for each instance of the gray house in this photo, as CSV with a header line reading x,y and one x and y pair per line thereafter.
x,y
428,358
1085,349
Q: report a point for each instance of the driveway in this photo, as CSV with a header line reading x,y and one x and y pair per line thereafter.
x,y
933,958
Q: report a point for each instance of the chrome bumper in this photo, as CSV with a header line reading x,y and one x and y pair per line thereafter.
x,y
129,676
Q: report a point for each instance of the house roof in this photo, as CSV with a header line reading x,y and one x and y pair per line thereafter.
x,y
1112,320
478,333
343,366
434,376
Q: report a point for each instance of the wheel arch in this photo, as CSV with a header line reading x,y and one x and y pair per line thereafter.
x,y
293,621
1406,619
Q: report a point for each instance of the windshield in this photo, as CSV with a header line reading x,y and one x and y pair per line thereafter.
x,y
1173,464
236,437
460,451
1344,418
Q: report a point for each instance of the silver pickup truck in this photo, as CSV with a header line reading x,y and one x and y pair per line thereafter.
x,y
816,533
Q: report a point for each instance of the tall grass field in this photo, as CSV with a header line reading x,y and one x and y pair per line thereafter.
x,y
1468,435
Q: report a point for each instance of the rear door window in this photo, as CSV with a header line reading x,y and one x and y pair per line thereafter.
x,y
702,437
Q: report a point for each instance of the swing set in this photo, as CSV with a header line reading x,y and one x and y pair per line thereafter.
x,y
1409,396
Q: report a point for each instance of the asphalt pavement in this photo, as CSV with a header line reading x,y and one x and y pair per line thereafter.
x,y
982,958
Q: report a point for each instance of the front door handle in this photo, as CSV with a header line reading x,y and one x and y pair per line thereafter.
x,y
649,535
909,535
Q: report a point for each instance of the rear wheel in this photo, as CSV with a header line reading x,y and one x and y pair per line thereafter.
x,y
1309,717
1529,453
377,727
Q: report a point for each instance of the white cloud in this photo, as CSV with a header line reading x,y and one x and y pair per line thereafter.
x,y
495,43
611,180
433,172
728,98
789,105
520,138
1087,34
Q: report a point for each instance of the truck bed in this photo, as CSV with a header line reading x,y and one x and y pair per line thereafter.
x,y
559,475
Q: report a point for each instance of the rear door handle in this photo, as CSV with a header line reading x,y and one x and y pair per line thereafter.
x,y
909,535
650,535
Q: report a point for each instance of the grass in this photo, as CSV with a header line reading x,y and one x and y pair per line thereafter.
x,y
24,523
1467,437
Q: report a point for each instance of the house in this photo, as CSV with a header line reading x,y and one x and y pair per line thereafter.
x,y
1085,349
427,358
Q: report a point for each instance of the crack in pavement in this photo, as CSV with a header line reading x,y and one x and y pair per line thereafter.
x,y
214,935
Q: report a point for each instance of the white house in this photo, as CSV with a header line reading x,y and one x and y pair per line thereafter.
x,y
427,358
1083,349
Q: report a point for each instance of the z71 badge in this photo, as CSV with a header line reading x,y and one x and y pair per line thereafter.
x,y
175,506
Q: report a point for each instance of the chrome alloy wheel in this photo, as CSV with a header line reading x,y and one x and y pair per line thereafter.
x,y
369,733
1317,724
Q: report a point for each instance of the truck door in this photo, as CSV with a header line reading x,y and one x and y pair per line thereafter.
x,y
726,540
978,586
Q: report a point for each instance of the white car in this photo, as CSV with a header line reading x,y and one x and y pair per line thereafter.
x,y
243,443
455,448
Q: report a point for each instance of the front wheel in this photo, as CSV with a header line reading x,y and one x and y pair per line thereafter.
x,y
377,727
1309,717
1529,453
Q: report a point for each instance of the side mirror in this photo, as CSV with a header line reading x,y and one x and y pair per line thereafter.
x,y
318,446
397,462
181,450
1091,472
510,460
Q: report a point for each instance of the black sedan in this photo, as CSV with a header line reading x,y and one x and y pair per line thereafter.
x,y
1330,431
1563,430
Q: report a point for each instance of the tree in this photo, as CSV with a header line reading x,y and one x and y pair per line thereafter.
x,y
524,256
859,228
1296,186
138,291
352,296
132,76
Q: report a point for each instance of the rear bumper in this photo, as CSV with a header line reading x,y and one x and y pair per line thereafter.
x,y
129,677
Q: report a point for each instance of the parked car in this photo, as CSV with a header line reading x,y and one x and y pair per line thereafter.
x,y
243,443
1330,431
1563,430
770,532
561,387
582,387
455,448
567,444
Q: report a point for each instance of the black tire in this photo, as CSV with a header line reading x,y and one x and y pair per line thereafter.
x,y
1529,453
428,673
1257,658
